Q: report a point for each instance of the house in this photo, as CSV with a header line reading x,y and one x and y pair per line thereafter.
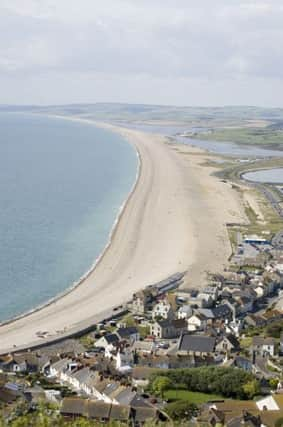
x,y
234,327
263,412
124,359
167,328
24,362
272,316
244,304
180,326
263,346
134,414
107,340
8,364
212,291
144,347
201,300
243,363
73,407
184,312
204,300
163,310
126,396
141,375
83,379
221,312
255,321
227,344
162,329
198,345
130,333
142,302
197,322
58,368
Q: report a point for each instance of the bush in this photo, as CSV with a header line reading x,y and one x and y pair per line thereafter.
x,y
160,384
181,410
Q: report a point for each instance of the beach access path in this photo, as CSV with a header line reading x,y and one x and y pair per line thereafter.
x,y
173,221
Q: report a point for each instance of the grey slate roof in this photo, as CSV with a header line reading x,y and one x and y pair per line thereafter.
x,y
179,323
125,396
73,406
196,343
144,414
120,412
219,312
233,340
61,364
98,409
127,332
263,341
82,374
164,323
110,387
111,338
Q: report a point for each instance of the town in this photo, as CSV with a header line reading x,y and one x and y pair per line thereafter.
x,y
205,356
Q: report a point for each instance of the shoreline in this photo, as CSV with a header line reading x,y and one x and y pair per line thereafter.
x,y
162,229
111,235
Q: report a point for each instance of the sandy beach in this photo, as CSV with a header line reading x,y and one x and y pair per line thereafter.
x,y
174,221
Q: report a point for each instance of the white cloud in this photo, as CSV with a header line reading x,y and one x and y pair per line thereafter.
x,y
180,41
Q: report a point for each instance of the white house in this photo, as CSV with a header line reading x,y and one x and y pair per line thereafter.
x,y
212,291
234,327
124,359
163,310
184,312
263,346
106,340
196,322
58,368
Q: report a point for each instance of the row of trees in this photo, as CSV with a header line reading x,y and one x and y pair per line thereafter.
x,y
228,382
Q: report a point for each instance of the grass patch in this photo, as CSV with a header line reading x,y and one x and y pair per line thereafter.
x,y
246,342
190,396
247,136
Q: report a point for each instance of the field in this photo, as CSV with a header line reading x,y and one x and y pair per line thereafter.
x,y
266,137
190,396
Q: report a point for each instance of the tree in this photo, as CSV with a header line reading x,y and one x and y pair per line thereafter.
x,y
209,379
273,382
251,389
160,384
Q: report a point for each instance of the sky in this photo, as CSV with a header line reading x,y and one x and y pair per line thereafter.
x,y
172,52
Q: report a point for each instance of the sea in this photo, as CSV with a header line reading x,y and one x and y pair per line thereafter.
x,y
62,186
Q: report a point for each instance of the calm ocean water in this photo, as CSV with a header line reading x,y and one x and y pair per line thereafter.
x,y
62,184
270,175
